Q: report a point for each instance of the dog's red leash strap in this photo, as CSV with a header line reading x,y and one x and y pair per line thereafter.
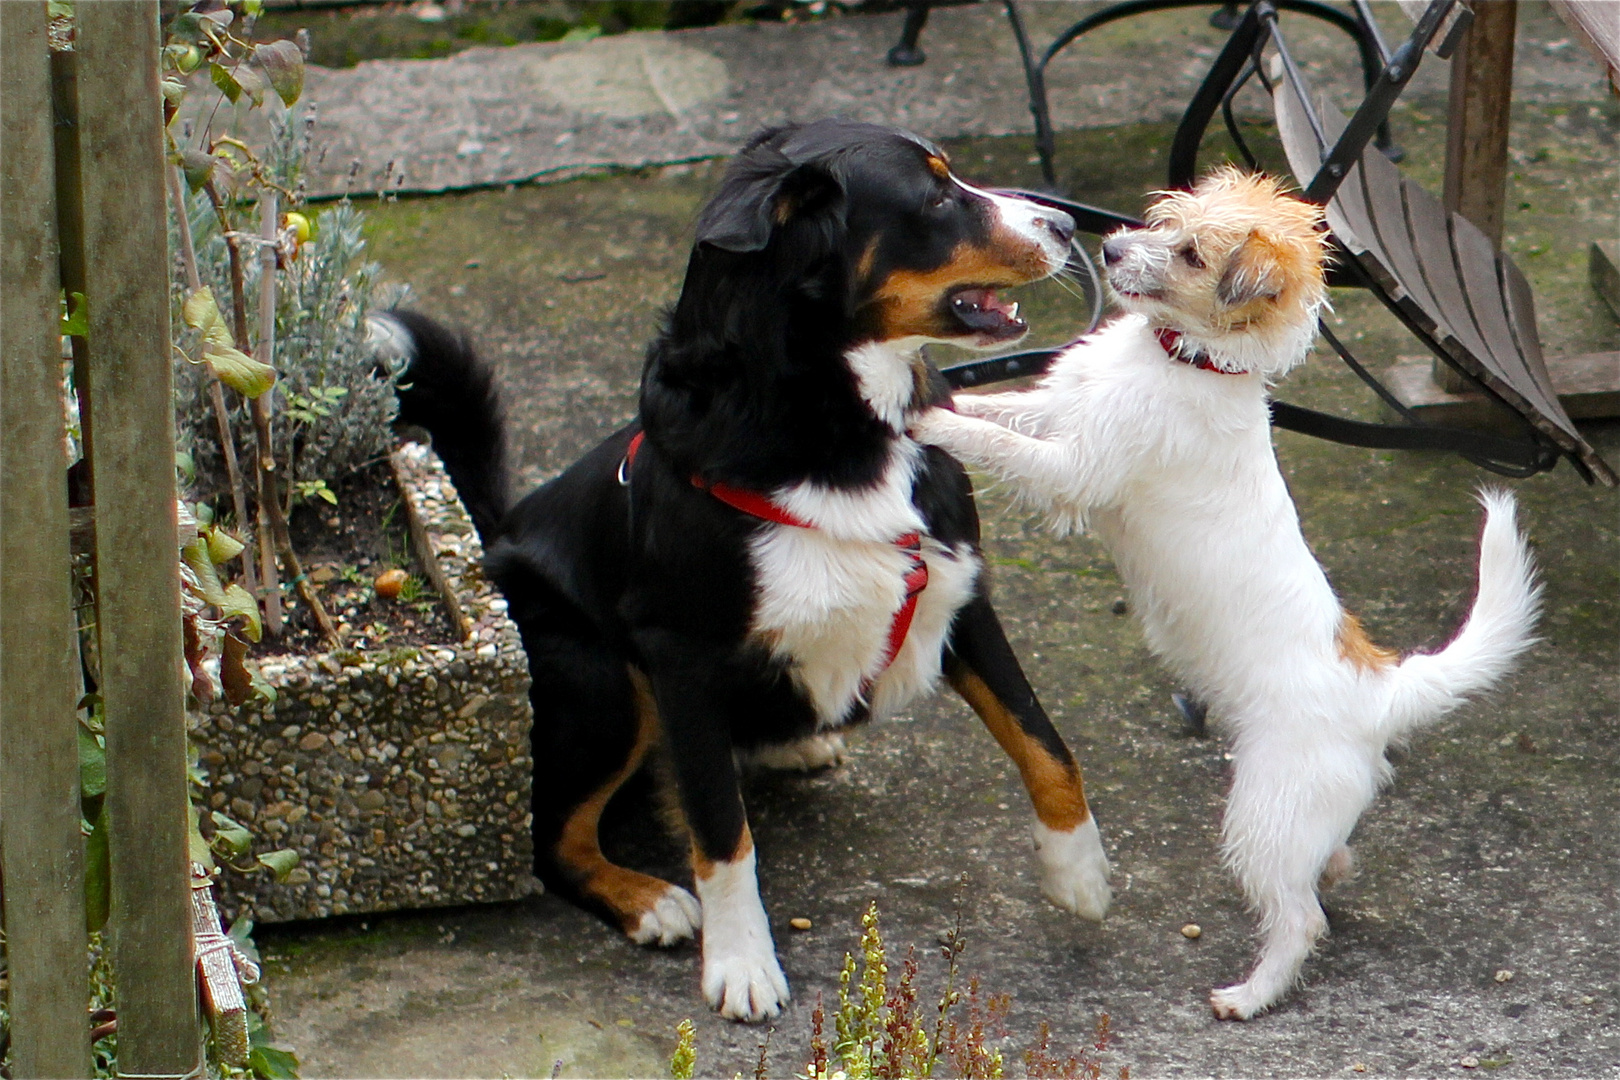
x,y
760,506
751,503
916,581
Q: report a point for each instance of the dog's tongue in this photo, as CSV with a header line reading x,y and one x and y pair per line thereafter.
x,y
982,310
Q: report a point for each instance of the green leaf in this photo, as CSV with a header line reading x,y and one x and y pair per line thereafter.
x,y
229,364
238,601
76,323
201,312
262,686
197,848
583,33
238,370
222,546
198,167
281,862
185,465
225,81
252,81
231,836
269,1063
97,875
188,25
92,765
59,9
195,556
174,91
282,63
327,493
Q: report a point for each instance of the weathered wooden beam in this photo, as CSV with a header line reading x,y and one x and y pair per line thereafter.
x,y
121,151
1603,270
1477,125
1588,387
40,842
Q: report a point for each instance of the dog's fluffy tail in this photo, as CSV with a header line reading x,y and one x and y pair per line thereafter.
x,y
1501,627
445,388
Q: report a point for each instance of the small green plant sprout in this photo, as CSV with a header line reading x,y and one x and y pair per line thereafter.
x,y
683,1062
879,1033
305,490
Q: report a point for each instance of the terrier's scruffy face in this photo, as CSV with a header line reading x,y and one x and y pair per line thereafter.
x,y
1234,256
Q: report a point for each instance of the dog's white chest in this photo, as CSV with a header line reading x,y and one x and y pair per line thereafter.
x,y
829,594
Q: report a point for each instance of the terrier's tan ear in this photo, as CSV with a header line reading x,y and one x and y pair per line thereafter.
x,y
1253,272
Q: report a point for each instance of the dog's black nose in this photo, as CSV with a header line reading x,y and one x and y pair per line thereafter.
x,y
1112,251
1059,224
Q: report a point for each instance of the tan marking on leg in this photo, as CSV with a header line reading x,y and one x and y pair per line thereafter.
x,y
629,894
1054,786
703,867
1356,648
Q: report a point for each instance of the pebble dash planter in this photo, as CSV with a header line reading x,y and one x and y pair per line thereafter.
x,y
401,777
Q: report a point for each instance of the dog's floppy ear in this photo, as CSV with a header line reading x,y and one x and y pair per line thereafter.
x,y
1253,272
766,190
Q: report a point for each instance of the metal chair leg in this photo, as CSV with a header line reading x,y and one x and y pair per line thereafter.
x,y
906,53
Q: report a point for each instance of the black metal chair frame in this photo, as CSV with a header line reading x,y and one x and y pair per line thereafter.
x,y
1386,75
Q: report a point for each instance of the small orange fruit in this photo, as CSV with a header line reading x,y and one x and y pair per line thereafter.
x,y
389,583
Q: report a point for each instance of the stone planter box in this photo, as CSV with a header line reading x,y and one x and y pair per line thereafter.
x,y
401,780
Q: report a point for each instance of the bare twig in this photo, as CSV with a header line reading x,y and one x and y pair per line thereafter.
x,y
266,485
216,392
269,504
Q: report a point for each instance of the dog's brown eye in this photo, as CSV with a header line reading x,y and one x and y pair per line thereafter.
x,y
938,201
1190,255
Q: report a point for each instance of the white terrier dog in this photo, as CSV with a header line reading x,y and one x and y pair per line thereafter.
x,y
1155,434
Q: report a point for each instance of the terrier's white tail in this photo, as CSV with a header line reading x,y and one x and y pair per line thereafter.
x,y
1428,685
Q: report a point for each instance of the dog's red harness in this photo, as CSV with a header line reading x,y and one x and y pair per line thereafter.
x,y
1174,343
756,505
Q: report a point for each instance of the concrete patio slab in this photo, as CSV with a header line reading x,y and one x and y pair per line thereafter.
x,y
492,116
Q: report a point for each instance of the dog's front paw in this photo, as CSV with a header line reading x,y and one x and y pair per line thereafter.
x,y
1238,1002
933,427
1074,868
806,755
744,984
674,917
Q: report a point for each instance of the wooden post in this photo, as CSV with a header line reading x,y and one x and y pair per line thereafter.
x,y
39,760
138,589
1477,127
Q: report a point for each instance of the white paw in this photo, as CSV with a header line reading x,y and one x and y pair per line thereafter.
x,y
1074,869
806,755
741,977
1238,1002
675,918
743,985
933,426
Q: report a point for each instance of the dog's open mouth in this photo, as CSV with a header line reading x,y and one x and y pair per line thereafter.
x,y
986,315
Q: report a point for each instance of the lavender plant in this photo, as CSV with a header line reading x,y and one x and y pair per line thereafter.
x,y
333,403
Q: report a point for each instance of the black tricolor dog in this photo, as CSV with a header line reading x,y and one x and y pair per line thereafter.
x,y
765,556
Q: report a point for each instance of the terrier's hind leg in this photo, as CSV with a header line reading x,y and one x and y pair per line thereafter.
x,y
1291,921
1283,829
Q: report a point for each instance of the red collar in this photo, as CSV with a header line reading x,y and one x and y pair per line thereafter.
x,y
760,506
1175,344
